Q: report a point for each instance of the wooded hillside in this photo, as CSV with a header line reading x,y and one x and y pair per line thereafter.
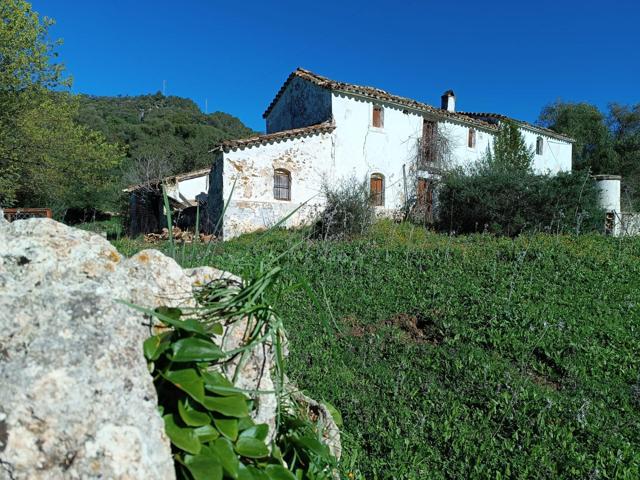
x,y
170,131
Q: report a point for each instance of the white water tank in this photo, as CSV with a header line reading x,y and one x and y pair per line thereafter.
x,y
609,186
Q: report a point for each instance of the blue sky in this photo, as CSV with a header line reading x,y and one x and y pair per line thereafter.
x,y
500,56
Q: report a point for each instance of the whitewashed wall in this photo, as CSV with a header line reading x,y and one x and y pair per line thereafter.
x,y
556,154
252,205
362,149
189,188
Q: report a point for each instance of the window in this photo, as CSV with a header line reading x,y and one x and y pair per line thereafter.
x,y
281,184
377,190
378,116
428,144
539,145
471,142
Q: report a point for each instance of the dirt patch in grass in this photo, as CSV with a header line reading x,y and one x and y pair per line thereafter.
x,y
417,327
414,326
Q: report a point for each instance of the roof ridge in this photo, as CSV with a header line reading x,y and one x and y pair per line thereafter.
x,y
323,127
371,92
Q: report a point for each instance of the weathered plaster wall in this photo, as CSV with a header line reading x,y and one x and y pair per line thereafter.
x,y
302,104
252,204
630,223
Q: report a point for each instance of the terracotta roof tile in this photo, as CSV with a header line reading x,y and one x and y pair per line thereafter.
x,y
227,145
376,93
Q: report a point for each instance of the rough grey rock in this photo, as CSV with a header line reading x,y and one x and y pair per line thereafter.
x,y
76,399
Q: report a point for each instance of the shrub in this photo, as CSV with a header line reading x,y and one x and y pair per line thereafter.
x,y
509,203
347,212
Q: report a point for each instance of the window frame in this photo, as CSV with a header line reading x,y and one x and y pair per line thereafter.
x,y
376,198
280,173
539,146
471,138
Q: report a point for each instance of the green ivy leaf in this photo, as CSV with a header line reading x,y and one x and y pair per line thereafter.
x,y
245,422
259,432
217,329
218,383
228,427
205,466
188,380
234,406
183,438
196,350
335,413
230,463
206,433
154,346
171,317
312,444
251,447
278,472
191,416
248,472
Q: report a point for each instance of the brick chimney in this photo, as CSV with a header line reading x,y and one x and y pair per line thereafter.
x,y
448,101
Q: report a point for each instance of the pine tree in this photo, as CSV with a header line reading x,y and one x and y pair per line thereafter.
x,y
510,152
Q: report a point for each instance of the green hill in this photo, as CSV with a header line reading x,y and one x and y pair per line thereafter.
x,y
171,131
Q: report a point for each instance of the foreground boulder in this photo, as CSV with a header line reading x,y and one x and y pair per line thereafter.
x,y
76,398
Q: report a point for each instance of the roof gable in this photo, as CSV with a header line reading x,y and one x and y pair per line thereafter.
x,y
373,93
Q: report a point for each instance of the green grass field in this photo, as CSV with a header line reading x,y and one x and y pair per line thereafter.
x,y
461,357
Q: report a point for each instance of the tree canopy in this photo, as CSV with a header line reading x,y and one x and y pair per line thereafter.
x,y
172,131
510,151
46,158
605,144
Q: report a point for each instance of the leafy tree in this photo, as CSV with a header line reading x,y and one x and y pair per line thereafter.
x,y
510,152
46,158
587,125
624,124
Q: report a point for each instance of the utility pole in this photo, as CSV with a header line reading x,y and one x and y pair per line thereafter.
x,y
164,87
206,106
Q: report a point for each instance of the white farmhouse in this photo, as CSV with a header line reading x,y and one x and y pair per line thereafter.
x,y
320,130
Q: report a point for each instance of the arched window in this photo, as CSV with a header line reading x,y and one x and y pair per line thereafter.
x,y
281,184
376,190
539,145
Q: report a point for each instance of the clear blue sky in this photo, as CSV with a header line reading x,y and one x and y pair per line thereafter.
x,y
511,57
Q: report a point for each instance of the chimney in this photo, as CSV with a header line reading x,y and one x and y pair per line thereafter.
x,y
448,101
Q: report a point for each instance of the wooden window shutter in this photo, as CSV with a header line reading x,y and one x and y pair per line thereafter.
x,y
377,190
472,138
377,116
281,184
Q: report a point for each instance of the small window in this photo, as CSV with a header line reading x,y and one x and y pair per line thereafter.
x,y
539,146
281,184
378,116
471,142
377,190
